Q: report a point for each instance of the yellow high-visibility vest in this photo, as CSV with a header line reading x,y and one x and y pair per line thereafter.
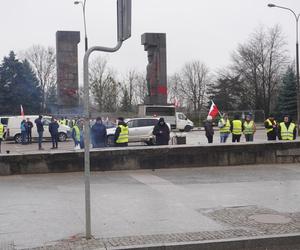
x,y
123,136
236,127
1,131
226,128
270,124
249,128
77,132
287,133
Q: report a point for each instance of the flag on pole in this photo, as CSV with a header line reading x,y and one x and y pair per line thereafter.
x,y
22,111
176,102
213,111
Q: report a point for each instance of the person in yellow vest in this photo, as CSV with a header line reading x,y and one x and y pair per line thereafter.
x,y
121,134
1,134
287,130
224,125
271,128
76,136
236,128
249,128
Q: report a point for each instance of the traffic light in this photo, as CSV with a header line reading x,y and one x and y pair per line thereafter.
x,y
124,19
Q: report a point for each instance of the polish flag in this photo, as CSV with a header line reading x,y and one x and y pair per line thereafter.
x,y
213,111
22,111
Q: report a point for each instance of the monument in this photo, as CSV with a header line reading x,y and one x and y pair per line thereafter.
x,y
67,70
155,45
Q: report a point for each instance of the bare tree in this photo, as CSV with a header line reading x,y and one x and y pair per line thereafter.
x,y
43,62
191,84
103,85
260,62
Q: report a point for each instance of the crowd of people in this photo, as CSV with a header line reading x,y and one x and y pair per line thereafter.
x,y
285,130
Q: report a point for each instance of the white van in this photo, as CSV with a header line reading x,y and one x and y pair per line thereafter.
x,y
177,120
12,126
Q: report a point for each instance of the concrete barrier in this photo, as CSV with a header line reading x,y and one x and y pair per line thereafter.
x,y
133,158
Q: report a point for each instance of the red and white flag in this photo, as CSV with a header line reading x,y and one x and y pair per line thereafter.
x,y
22,111
176,102
213,111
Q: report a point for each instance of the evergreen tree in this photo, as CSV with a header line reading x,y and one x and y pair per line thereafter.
x,y
228,93
18,86
287,99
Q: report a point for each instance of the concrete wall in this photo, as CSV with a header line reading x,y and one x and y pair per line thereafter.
x,y
153,158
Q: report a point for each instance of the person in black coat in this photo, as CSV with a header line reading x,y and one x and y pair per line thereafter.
x,y
209,130
40,129
161,132
53,129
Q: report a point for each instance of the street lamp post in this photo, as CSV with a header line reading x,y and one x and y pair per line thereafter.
x,y
297,17
84,21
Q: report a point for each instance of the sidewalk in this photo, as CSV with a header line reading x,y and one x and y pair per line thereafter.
x,y
145,207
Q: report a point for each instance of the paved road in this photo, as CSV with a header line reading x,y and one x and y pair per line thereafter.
x,y
137,207
193,138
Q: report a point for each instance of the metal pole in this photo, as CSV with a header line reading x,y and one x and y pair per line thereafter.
x,y
297,72
85,32
87,171
297,60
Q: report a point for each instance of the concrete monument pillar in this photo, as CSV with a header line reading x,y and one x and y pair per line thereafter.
x,y
67,69
155,45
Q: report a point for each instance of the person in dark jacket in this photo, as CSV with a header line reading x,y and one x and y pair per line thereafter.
x,y
271,128
121,134
29,130
209,131
287,130
99,134
40,129
53,129
23,128
161,132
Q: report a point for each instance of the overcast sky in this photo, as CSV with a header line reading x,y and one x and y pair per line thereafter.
x,y
206,30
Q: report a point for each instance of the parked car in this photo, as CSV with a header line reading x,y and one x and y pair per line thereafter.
x,y
13,131
140,130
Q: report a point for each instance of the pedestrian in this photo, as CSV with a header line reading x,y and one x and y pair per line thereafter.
x,y
249,128
40,129
121,134
287,129
76,136
53,129
99,134
29,130
209,130
81,129
224,125
271,128
1,134
236,128
23,128
161,132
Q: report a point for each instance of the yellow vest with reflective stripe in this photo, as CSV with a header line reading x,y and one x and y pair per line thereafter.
x,y
270,124
236,127
77,132
226,128
1,131
123,136
248,128
287,134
